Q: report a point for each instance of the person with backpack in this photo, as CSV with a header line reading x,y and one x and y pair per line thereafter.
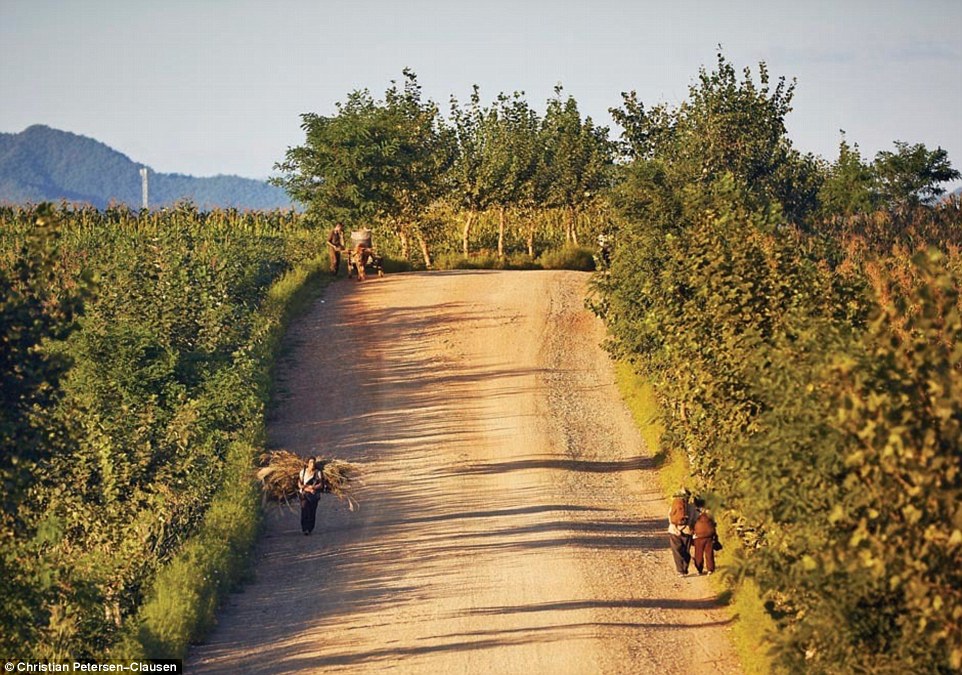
x,y
681,517
704,537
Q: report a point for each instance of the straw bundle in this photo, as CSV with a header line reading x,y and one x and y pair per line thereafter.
x,y
280,468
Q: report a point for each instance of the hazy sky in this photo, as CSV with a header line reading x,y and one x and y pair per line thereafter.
x,y
217,86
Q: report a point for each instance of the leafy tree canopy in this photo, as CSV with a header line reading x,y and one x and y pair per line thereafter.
x,y
373,159
726,126
912,174
577,156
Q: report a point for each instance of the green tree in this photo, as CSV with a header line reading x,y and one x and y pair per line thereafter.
x,y
373,160
34,315
849,186
811,382
912,174
514,157
643,132
481,174
726,126
576,165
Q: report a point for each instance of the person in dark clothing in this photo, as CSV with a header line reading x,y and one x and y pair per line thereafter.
x,y
310,484
704,533
335,243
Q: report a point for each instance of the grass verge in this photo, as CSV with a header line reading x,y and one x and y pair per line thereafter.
x,y
744,603
181,605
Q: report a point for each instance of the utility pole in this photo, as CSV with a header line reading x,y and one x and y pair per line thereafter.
x,y
143,183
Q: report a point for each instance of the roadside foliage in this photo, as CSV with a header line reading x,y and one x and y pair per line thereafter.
x,y
474,189
801,325
133,393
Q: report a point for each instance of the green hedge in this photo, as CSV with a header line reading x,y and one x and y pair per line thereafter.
x,y
815,385
567,258
182,603
161,407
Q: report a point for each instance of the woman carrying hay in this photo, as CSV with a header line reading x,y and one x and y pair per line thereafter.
x,y
310,485
284,474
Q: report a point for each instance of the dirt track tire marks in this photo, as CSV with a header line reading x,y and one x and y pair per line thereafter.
x,y
510,521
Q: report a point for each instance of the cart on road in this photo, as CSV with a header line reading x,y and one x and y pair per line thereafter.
x,y
363,255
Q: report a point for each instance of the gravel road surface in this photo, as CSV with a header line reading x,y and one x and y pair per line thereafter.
x,y
510,520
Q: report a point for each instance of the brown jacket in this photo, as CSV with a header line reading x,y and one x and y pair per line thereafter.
x,y
704,524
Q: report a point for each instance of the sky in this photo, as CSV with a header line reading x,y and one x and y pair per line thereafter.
x,y
208,87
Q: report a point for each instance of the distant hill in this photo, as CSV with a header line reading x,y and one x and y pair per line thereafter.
x,y
44,164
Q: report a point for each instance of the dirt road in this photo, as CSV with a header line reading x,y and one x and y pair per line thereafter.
x,y
510,521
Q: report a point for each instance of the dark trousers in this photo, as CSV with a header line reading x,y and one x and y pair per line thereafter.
x,y
680,550
704,554
335,261
308,511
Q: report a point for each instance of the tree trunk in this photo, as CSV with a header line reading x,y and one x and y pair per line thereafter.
x,y
467,231
571,236
500,231
424,250
405,243
531,227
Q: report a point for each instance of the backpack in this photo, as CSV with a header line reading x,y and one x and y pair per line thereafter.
x,y
678,515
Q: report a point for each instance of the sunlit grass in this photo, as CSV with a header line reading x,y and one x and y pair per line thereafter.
x,y
638,395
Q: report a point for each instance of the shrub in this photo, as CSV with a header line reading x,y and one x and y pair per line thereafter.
x,y
453,261
396,265
169,378
816,396
486,261
521,261
579,258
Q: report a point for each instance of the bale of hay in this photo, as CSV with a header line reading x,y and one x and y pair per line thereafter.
x,y
341,477
280,469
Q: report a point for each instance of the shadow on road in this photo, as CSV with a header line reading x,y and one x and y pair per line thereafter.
x,y
387,402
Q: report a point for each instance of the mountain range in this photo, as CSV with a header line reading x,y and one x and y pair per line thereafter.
x,y
44,164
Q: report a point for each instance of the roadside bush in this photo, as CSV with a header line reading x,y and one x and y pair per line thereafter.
x,y
809,370
453,261
490,261
169,376
819,403
184,596
579,258
521,261
395,265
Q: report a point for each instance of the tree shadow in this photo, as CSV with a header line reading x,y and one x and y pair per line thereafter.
x,y
631,464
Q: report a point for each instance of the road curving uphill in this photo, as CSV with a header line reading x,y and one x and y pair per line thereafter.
x,y
510,519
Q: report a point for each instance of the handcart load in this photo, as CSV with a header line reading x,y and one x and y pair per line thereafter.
x,y
363,255
361,238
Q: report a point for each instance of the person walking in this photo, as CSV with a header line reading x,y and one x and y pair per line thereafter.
x,y
681,516
704,535
335,242
310,484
